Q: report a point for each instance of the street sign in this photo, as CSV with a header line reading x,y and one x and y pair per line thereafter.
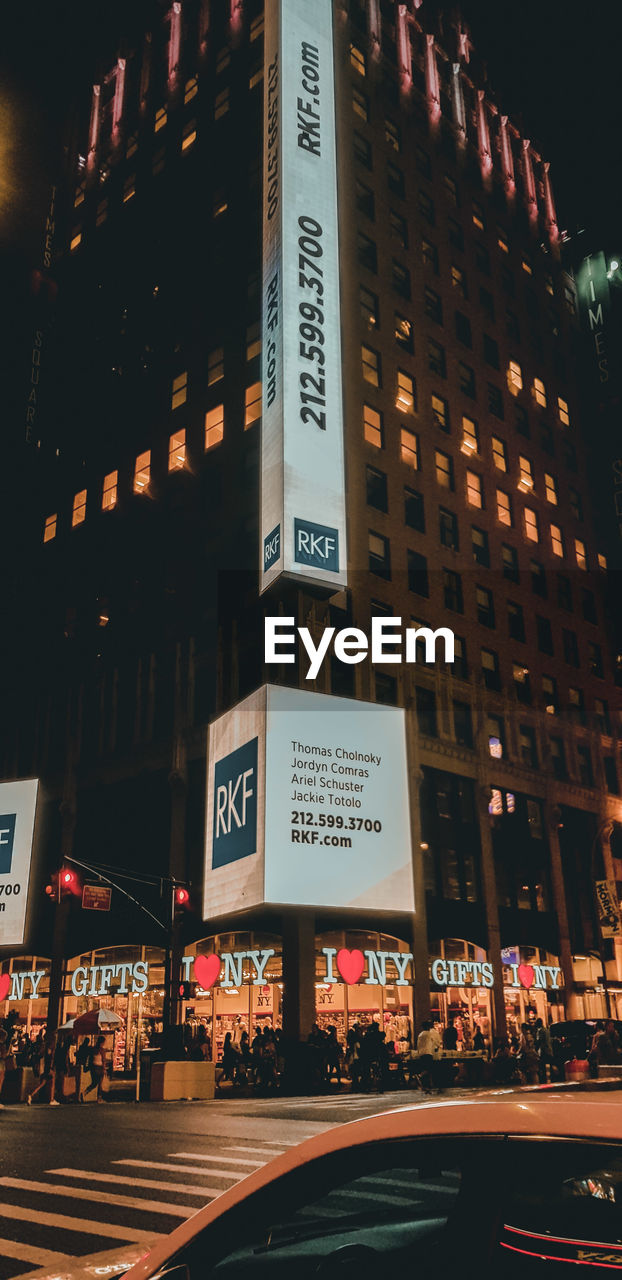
x,y
96,897
608,909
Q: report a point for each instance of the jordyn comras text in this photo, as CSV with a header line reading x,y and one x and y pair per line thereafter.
x,y
390,642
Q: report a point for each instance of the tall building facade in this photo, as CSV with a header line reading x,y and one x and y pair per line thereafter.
x,y
312,357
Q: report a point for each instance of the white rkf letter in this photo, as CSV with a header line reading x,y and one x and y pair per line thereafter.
x,y
228,803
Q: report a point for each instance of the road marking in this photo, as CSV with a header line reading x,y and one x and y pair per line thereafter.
x,y
261,1151
103,1197
194,1155
184,1188
83,1226
184,1168
29,1253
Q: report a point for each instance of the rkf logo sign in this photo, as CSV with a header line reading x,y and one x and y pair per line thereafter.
x,y
7,838
235,805
316,544
272,548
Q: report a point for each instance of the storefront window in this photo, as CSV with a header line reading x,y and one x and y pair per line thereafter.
x,y
532,987
240,996
363,977
459,995
27,994
130,982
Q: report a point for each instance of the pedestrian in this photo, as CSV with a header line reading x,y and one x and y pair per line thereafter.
x,y
48,1075
229,1059
544,1049
333,1055
428,1048
256,1053
98,1070
479,1043
450,1037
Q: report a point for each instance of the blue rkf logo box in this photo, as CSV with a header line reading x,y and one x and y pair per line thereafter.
x,y
235,805
316,544
272,548
7,839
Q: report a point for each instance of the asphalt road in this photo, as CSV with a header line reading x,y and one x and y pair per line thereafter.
x,y
78,1181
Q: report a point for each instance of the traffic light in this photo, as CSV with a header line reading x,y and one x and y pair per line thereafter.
x,y
64,883
182,897
187,990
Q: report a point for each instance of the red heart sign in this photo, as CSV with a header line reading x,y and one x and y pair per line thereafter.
x,y
526,975
5,983
207,969
350,965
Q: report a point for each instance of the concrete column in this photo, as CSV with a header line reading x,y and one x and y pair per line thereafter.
x,y
421,994
489,885
559,905
298,975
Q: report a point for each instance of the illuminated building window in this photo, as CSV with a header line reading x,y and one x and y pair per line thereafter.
x,y
557,540
515,377
132,146
440,412
78,515
504,508
495,806
220,204
191,90
360,104
142,472
470,436
370,362
409,448
109,491
580,553
499,454
531,525
564,412
405,398
392,135
129,188
602,561
526,265
215,366
256,27
49,529
444,470
75,241
177,451
550,488
102,212
80,194
525,467
357,60
179,390
478,216
369,307
372,426
474,489
214,426
256,77
539,392
189,135
223,59
458,280
404,334
548,284
502,240
252,411
549,690
161,117
221,104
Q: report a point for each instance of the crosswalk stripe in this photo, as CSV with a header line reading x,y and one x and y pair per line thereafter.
x,y
101,1197
183,1188
83,1226
373,1196
234,1176
30,1253
194,1155
261,1151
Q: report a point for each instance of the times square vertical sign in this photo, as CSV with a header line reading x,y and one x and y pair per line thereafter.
x,y
303,516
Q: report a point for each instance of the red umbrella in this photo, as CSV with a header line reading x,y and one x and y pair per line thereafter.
x,y
102,1020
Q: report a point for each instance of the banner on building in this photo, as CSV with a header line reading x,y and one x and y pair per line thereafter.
x,y
18,802
608,909
307,805
303,519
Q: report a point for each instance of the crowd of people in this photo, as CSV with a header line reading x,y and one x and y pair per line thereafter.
x,y
53,1059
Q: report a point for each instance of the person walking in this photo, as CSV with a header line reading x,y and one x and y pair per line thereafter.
x,y
48,1076
428,1047
98,1070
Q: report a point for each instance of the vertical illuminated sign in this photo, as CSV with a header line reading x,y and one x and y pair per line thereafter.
x,y
303,521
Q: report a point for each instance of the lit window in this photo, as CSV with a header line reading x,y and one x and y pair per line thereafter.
x,y
215,366
221,104
256,77
257,27
160,119
189,135
499,454
214,426
142,472
564,412
405,395
372,426
75,241
504,507
444,470
539,392
357,59
191,90
602,561
557,540
252,412
550,488
440,412
531,525
179,392
475,496
253,342
502,241
49,530
515,377
109,492
80,194
223,59
470,437
458,280
370,361
525,482
359,103
526,265
79,508
177,451
129,188
478,215
409,448
580,553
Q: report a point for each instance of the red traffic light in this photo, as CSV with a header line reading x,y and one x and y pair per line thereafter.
x,y
182,897
50,890
69,882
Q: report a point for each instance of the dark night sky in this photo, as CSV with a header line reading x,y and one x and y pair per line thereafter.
x,y
552,64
